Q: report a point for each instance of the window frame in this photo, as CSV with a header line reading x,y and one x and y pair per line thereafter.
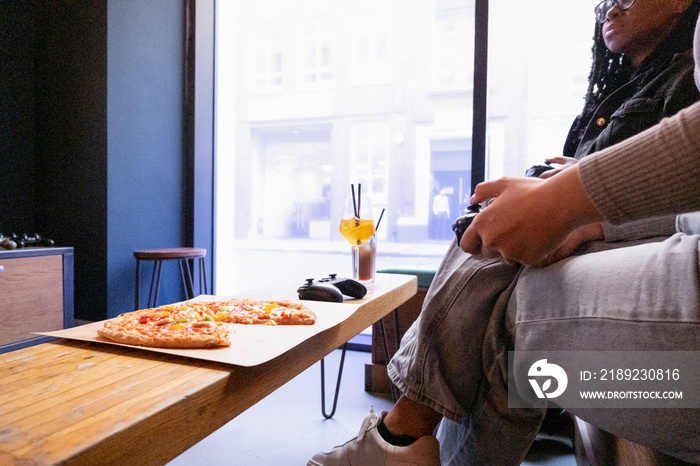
x,y
199,102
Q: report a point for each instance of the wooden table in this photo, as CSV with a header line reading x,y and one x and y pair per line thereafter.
x,y
72,402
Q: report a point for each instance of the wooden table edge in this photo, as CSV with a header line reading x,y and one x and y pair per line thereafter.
x,y
177,426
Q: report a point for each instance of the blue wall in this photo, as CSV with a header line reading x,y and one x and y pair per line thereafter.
x,y
145,189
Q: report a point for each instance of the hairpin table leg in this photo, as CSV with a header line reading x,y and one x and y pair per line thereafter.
x,y
394,394
337,384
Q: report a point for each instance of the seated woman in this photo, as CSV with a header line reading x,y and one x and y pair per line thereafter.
x,y
651,291
452,363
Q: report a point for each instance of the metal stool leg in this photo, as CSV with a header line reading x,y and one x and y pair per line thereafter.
x,y
153,278
155,294
186,276
187,271
182,276
190,282
136,306
337,384
202,274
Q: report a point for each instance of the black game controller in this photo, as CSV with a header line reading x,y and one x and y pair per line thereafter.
x,y
16,241
463,222
331,289
26,241
536,170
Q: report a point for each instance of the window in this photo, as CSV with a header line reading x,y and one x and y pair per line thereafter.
x,y
539,61
371,57
317,68
453,64
370,159
317,94
267,56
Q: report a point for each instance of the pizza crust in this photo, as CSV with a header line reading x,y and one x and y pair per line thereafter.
x,y
286,313
117,332
155,327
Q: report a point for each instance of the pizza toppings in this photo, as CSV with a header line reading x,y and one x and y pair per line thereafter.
x,y
201,324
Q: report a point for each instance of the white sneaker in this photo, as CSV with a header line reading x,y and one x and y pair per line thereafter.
x,y
370,449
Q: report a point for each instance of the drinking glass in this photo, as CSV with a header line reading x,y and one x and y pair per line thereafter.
x,y
364,261
357,227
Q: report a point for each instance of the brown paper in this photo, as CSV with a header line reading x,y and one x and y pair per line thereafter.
x,y
250,344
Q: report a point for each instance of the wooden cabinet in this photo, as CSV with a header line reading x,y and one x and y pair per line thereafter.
x,y
36,294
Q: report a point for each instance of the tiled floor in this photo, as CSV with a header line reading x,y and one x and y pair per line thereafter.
x,y
292,417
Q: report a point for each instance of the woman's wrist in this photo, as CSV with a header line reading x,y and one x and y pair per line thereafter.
x,y
570,204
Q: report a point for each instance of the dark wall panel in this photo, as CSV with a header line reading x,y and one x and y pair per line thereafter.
x,y
17,89
71,143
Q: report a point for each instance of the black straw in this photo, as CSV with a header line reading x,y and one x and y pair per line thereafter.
x,y
354,204
359,199
379,221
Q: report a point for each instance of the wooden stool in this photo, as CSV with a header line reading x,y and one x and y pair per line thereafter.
x,y
182,255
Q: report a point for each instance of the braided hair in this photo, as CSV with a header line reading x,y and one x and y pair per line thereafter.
x,y
610,71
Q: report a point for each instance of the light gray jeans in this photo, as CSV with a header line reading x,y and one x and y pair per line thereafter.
x,y
454,357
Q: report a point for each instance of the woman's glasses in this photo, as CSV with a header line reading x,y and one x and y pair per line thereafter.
x,y
601,11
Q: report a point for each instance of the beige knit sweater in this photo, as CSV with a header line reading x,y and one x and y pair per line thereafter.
x,y
653,173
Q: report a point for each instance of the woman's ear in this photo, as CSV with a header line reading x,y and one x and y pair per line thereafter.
x,y
679,6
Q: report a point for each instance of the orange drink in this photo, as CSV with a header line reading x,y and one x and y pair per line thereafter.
x,y
357,231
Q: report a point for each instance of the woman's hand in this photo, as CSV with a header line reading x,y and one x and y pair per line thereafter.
x,y
529,218
576,238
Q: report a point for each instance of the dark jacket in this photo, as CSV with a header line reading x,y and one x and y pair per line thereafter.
x,y
629,110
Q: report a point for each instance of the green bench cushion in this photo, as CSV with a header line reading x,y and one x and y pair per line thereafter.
x,y
425,276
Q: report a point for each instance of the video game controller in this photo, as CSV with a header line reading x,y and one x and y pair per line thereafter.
x,y
331,289
536,170
463,222
15,241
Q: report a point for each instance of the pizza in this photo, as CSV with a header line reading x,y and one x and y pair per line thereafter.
x,y
201,324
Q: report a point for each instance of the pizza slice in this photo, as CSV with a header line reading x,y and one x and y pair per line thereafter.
x,y
166,327
201,324
261,312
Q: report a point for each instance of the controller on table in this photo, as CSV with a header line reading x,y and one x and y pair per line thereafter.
x,y
332,289
463,222
15,241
